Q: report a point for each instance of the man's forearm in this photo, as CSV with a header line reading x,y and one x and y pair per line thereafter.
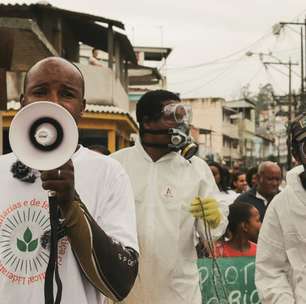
x,y
107,264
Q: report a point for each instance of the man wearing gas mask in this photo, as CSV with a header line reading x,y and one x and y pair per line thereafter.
x,y
174,191
281,260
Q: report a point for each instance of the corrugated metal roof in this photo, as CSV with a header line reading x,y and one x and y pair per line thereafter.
x,y
44,5
92,108
15,105
82,24
105,109
240,104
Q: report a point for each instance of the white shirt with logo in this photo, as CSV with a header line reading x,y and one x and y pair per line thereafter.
x,y
103,187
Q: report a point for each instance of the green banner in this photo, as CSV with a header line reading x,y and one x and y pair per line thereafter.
x,y
228,280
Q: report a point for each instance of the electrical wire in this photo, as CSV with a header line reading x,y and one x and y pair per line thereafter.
x,y
299,15
273,81
212,79
220,61
283,73
293,29
286,50
215,61
255,74
199,77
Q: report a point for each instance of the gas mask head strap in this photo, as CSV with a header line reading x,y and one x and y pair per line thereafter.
x,y
155,132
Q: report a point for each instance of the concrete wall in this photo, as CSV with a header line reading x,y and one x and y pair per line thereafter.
x,y
207,114
102,87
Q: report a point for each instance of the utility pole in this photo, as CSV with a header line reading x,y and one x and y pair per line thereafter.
x,y
289,154
302,65
289,64
276,31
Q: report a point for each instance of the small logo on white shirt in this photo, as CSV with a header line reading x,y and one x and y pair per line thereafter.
x,y
168,192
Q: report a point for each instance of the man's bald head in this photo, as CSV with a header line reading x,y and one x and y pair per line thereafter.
x,y
56,80
267,165
268,179
51,60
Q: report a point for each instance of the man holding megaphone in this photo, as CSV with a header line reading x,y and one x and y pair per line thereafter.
x,y
95,231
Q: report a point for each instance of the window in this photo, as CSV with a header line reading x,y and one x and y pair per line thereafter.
x,y
247,113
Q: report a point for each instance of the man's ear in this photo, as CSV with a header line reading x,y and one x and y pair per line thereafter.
x,y
244,226
83,106
21,100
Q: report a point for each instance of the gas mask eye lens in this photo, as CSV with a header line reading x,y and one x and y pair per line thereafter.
x,y
178,113
303,148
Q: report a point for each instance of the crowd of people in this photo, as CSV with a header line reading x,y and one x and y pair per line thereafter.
x,y
130,222
247,202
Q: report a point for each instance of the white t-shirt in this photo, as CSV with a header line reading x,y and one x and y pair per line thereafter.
x,y
103,187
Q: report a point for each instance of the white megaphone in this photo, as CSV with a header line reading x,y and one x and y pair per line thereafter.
x,y
43,135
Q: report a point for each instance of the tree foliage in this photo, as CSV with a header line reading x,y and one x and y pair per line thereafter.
x,y
263,99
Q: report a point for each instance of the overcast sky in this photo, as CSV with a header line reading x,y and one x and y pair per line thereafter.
x,y
209,39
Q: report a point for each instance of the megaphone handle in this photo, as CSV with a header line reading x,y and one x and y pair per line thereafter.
x,y
52,268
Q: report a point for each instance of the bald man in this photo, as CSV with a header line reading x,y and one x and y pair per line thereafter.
x,y
268,177
98,250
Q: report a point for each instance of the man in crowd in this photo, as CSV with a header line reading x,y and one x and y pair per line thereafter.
x,y
165,185
269,177
281,261
98,253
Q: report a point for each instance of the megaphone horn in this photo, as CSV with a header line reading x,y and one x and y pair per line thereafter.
x,y
43,135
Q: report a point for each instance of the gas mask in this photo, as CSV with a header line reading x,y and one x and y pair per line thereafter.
x,y
297,139
180,140
302,155
302,152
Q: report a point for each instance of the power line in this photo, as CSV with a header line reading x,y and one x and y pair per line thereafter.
x,y
299,15
221,58
293,29
283,73
211,80
255,74
286,50
203,74
274,83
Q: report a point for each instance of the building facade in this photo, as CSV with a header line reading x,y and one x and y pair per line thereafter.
x,y
41,30
217,127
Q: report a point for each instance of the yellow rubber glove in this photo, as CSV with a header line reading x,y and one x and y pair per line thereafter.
x,y
212,214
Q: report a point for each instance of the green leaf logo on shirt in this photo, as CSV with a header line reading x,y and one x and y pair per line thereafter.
x,y
27,244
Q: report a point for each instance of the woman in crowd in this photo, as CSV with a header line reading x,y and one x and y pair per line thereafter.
x,y
222,178
239,182
243,226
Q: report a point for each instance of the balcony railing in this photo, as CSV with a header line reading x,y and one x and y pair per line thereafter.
x,y
230,130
